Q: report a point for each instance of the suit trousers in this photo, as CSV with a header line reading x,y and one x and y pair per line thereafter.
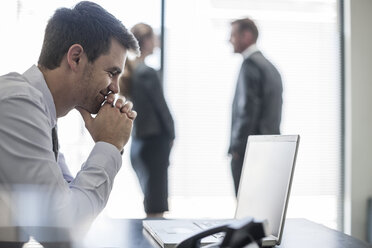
x,y
236,170
150,160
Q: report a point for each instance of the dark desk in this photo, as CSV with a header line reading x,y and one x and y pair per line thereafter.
x,y
298,233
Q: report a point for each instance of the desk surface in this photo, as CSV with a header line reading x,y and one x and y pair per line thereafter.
x,y
128,233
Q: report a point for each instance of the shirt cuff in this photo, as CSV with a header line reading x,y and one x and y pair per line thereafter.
x,y
107,156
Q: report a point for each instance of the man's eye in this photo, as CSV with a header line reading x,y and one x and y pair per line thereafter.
x,y
111,74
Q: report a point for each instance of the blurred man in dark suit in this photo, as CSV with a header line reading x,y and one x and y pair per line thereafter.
x,y
257,104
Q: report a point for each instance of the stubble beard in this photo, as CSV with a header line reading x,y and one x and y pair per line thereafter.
x,y
90,100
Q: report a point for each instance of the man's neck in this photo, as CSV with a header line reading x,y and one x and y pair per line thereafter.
x,y
59,89
249,50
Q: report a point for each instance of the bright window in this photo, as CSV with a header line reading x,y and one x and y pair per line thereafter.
x,y
300,37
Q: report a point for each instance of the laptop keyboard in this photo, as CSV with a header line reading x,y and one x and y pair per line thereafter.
x,y
206,224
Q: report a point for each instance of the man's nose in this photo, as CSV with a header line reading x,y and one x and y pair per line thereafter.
x,y
231,40
114,86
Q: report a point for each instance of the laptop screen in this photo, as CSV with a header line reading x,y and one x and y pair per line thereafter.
x,y
266,179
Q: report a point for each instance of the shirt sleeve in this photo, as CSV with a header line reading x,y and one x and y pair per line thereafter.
x,y
28,169
64,168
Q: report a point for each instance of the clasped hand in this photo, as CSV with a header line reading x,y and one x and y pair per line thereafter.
x,y
113,122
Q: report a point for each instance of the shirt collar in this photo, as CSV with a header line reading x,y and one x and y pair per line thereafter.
x,y
249,51
36,79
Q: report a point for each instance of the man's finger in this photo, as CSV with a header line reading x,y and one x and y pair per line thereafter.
x,y
119,103
110,98
132,115
127,107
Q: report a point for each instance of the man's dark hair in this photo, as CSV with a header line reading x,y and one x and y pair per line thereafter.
x,y
87,24
247,24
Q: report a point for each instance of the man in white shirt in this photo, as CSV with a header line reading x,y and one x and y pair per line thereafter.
x,y
82,57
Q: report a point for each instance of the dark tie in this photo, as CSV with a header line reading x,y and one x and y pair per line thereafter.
x,y
55,142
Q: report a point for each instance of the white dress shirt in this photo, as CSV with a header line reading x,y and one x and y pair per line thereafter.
x,y
250,50
29,173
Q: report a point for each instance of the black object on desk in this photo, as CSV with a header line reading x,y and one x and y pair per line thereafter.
x,y
129,233
237,234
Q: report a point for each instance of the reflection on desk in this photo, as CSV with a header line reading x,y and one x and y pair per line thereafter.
x,y
128,233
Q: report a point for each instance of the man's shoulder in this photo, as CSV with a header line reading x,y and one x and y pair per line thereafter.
x,y
11,77
145,71
258,59
18,97
146,77
254,58
13,85
257,62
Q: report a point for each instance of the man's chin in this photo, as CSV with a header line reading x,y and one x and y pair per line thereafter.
x,y
95,110
92,110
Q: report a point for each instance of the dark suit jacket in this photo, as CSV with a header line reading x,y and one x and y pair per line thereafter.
x,y
154,117
257,104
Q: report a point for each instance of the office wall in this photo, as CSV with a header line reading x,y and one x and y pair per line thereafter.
x,y
358,41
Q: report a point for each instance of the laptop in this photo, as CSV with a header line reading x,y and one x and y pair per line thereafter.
x,y
263,193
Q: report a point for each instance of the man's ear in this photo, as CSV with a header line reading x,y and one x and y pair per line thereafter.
x,y
248,36
74,55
